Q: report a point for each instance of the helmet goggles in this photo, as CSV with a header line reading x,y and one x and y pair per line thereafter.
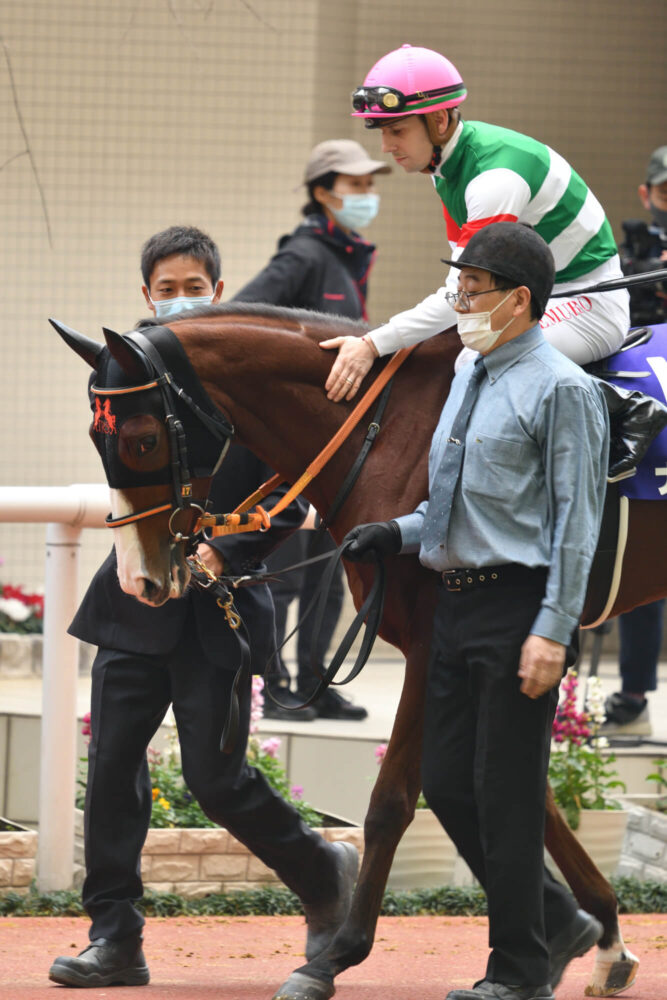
x,y
388,101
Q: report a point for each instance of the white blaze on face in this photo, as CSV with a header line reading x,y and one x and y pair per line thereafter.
x,y
132,570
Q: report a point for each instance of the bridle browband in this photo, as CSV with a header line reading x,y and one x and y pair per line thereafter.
x,y
218,425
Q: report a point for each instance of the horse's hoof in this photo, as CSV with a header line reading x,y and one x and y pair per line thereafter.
x,y
302,987
325,919
612,975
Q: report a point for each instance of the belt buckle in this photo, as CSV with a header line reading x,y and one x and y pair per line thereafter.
x,y
448,576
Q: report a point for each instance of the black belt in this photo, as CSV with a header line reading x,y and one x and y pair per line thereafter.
x,y
507,575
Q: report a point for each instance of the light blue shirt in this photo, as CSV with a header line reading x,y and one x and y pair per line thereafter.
x,y
533,481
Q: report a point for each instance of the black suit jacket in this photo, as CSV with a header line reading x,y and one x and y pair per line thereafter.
x,y
110,618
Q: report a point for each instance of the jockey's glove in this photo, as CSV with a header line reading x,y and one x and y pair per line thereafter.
x,y
370,543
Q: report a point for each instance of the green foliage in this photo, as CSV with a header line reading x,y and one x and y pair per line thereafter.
x,y
633,897
640,897
660,779
583,780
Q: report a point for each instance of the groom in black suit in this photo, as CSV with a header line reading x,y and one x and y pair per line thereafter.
x,y
184,654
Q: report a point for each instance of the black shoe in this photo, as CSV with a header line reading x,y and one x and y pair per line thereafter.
x,y
625,716
486,990
104,963
292,702
324,919
581,934
332,705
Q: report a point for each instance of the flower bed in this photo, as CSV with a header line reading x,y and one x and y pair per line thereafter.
x,y
581,771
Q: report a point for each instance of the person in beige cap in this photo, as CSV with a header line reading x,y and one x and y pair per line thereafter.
x,y
323,265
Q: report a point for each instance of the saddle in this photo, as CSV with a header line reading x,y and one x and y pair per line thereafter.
x,y
635,419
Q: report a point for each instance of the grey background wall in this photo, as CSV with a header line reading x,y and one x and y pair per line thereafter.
x,y
120,118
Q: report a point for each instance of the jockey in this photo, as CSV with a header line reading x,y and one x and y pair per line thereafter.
x,y
484,174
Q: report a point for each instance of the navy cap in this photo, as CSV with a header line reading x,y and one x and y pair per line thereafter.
x,y
513,251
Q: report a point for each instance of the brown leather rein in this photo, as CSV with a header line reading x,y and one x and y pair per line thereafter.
x,y
260,520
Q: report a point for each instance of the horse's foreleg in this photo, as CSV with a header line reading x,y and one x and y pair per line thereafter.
x,y
615,967
390,812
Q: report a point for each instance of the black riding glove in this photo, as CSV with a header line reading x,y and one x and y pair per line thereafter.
x,y
370,543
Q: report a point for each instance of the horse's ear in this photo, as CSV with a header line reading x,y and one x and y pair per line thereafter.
x,y
86,348
133,363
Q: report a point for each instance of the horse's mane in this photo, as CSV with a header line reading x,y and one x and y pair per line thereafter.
x,y
262,310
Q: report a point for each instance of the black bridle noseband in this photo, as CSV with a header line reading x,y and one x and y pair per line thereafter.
x,y
217,424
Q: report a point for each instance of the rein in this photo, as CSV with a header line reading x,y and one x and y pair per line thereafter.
x,y
227,524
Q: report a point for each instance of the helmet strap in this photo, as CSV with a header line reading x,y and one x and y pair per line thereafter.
x,y
431,127
435,160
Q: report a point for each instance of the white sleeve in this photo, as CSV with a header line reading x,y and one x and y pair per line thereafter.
x,y
424,320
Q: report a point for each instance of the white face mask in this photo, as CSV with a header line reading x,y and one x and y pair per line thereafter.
x,y
170,307
475,331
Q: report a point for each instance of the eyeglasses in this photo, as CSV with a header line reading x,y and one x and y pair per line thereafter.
x,y
463,298
378,99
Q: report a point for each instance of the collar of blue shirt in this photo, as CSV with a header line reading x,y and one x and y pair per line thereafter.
x,y
499,360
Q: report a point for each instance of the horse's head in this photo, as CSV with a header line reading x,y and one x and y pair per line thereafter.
x,y
160,439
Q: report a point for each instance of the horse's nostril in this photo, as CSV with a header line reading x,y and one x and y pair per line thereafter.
x,y
150,590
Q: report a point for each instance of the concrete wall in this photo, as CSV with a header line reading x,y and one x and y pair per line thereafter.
x,y
120,118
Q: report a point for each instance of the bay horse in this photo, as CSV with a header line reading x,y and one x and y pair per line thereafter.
x,y
262,367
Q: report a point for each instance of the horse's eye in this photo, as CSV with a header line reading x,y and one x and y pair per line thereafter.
x,y
142,443
147,444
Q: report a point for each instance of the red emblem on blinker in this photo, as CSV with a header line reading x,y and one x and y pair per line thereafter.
x,y
105,421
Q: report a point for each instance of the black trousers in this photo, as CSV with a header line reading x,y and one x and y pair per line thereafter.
x,y
301,584
130,696
486,754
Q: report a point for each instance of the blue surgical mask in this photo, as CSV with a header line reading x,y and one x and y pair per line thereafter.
x,y
358,210
170,307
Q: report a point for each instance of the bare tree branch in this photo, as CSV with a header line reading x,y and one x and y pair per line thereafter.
x,y
28,148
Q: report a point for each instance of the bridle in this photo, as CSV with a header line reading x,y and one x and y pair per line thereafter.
x,y
219,426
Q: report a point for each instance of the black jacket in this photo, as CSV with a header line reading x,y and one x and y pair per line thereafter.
x,y
641,251
110,618
316,267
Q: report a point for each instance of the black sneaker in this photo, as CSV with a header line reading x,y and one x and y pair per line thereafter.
x,y
625,716
332,705
291,712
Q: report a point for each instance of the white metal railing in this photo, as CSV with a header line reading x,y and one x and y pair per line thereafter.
x,y
65,510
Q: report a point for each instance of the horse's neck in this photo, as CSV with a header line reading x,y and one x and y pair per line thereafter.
x,y
270,382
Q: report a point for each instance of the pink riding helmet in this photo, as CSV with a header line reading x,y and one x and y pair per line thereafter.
x,y
409,80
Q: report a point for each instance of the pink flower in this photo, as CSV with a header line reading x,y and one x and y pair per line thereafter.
x,y
85,728
380,752
270,746
256,703
296,791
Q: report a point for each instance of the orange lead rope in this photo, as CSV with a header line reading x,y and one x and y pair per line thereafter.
x,y
260,520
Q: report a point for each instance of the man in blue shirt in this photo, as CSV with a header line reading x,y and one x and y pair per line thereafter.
x,y
517,473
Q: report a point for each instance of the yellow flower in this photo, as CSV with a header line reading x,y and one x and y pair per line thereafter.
x,y
163,802
156,792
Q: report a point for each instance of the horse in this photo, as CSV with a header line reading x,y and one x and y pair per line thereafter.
x,y
261,366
